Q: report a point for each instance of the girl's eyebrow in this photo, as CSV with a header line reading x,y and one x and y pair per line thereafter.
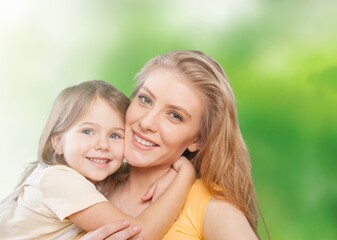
x,y
86,123
93,124
178,108
119,129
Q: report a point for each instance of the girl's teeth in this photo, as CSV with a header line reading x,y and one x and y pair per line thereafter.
x,y
100,161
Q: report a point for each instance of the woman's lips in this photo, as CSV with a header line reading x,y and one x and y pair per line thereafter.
x,y
144,141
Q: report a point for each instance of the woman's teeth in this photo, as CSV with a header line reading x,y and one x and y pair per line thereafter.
x,y
143,142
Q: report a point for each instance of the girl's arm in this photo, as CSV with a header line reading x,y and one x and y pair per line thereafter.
x,y
156,219
223,221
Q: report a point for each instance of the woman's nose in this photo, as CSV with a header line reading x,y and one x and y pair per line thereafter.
x,y
148,121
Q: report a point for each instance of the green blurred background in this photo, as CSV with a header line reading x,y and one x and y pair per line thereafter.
x,y
280,57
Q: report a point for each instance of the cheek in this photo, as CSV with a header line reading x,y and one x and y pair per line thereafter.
x,y
131,111
176,139
71,148
118,151
134,113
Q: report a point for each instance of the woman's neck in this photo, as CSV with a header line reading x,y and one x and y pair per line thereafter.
x,y
142,179
127,195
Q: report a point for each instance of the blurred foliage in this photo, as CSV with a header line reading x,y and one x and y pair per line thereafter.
x,y
280,57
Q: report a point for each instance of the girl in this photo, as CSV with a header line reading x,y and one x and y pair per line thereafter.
x,y
82,145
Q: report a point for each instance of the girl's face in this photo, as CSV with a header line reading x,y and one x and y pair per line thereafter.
x,y
162,121
94,145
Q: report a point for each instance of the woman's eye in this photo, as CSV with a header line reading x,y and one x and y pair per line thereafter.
x,y
176,117
88,132
144,99
115,136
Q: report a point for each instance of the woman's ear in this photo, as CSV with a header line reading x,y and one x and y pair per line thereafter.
x,y
56,141
195,145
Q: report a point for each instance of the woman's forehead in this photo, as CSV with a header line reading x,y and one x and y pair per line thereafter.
x,y
172,88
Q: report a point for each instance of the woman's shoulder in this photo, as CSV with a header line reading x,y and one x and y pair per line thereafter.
x,y
199,189
198,197
222,219
189,225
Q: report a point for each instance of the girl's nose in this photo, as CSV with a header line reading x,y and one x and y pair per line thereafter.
x,y
102,144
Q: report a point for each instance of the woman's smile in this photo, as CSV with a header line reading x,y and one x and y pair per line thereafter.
x,y
143,141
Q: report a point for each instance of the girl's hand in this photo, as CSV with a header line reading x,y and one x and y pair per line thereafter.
x,y
182,165
118,231
159,186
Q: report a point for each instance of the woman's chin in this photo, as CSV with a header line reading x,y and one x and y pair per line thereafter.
x,y
138,164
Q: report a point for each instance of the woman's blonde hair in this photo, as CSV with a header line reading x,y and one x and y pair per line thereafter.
x,y
223,162
70,105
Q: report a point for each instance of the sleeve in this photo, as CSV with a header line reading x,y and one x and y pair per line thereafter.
x,y
65,191
189,224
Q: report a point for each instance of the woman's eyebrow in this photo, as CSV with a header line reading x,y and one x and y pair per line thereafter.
x,y
180,109
175,107
149,92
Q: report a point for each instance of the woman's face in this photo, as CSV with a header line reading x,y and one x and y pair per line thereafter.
x,y
162,121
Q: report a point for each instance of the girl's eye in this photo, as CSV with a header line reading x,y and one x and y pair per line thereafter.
x,y
115,136
88,132
176,117
144,99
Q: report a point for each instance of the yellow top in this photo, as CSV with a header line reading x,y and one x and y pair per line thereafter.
x,y
190,222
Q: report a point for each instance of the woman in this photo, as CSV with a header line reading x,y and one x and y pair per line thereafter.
x,y
183,105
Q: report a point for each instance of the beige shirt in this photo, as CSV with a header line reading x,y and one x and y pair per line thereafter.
x,y
40,207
